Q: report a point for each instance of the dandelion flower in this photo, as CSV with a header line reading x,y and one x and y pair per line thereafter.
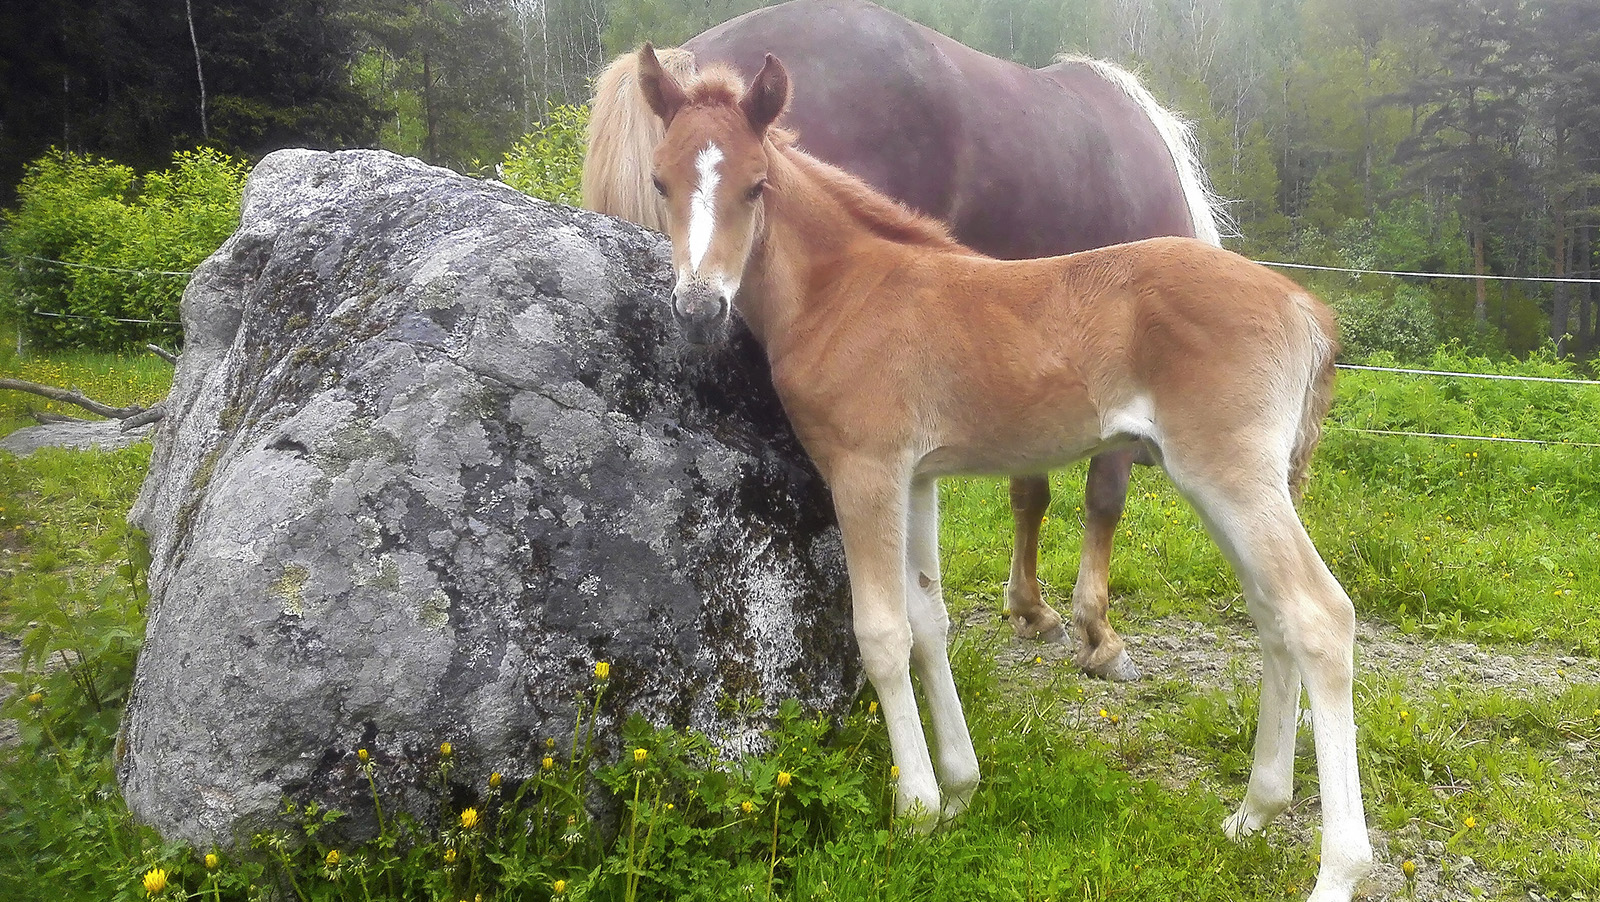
x,y
548,763
449,856
747,806
469,818
363,755
445,750
602,670
155,881
494,780
212,861
560,886
784,778
36,698
333,858
894,771
550,743
872,707
639,755
1409,868
1471,822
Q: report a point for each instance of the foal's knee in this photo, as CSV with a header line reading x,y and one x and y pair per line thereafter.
x,y
885,650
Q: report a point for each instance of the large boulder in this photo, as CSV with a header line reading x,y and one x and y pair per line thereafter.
x,y
434,449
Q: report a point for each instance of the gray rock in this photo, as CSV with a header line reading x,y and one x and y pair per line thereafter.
x,y
432,450
106,435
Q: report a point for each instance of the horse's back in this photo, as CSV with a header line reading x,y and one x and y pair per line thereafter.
x,y
1021,162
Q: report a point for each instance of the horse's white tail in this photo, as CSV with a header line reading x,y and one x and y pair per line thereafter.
x,y
623,132
1205,208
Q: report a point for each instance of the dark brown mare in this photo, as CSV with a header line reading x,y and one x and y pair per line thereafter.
x,y
1018,162
901,356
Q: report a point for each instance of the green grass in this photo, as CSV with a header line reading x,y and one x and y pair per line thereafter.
x,y
1435,540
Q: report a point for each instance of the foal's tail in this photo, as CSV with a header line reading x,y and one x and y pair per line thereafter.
x,y
1324,346
1205,207
623,133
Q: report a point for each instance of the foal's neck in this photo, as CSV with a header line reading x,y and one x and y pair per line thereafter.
x,y
820,224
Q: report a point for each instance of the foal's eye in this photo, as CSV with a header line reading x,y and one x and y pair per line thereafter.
x,y
661,189
756,189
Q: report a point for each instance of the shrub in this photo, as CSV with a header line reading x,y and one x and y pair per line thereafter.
x,y
548,162
91,244
1402,323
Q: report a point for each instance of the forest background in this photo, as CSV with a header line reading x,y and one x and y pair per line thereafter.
x,y
1421,135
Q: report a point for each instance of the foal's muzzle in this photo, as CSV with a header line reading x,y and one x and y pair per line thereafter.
x,y
702,312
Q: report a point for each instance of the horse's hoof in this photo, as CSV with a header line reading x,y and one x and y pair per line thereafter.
x,y
1120,669
1055,634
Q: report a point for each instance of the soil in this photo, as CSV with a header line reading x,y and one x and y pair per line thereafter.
x,y
1225,656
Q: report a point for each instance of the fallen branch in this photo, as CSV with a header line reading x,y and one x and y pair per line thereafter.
x,y
71,397
140,419
163,353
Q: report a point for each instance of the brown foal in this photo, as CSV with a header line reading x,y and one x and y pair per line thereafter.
x,y
901,357
1018,163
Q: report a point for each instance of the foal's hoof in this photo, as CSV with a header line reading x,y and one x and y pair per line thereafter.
x,y
1120,669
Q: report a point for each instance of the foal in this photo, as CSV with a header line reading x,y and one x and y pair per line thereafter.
x,y
901,357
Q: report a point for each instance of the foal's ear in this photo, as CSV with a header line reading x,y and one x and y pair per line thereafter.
x,y
661,91
767,96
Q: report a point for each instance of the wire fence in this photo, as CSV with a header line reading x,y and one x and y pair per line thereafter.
x,y
153,273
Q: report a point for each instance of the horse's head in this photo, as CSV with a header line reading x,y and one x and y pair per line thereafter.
x,y
711,170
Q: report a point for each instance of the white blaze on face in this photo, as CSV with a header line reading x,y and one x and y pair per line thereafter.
x,y
703,205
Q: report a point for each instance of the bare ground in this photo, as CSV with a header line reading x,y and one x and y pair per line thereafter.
x,y
1177,651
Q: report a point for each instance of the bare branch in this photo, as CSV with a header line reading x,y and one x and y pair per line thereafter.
x,y
163,353
71,397
141,419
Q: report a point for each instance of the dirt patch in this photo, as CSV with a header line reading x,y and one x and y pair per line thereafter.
x,y
1180,656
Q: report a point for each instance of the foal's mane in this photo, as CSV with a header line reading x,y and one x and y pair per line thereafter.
x,y
719,85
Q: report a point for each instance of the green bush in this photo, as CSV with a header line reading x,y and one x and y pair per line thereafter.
x,y
1402,323
548,162
92,244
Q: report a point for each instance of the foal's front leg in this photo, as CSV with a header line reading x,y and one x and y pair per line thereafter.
x,y
871,503
930,629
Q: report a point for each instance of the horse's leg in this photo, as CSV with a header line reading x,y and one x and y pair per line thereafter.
x,y
1101,652
870,501
1307,628
930,628
1030,617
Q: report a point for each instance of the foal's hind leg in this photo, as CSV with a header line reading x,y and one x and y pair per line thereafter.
x,y
1307,628
1101,652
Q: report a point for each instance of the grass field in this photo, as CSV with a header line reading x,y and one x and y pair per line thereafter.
x,y
1472,564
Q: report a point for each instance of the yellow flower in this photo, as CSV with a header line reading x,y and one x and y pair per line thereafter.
x,y
212,861
550,743
494,780
363,755
36,698
469,818
747,806
1471,822
872,707
560,886
449,856
894,771
155,881
1103,713
445,749
548,763
1409,868
602,670
784,778
333,858
639,755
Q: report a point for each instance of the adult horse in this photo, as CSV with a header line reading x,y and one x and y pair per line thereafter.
x,y
1018,162
1221,368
